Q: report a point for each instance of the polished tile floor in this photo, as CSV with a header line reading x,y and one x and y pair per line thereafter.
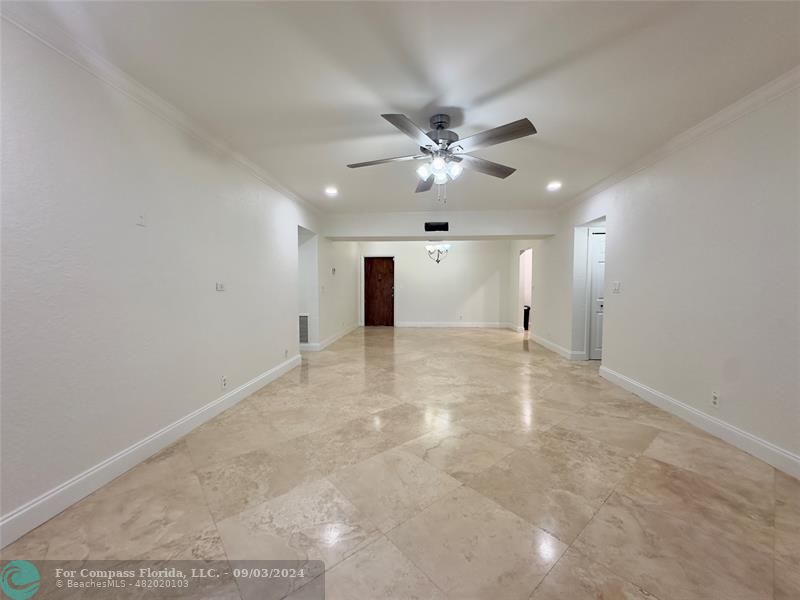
x,y
464,463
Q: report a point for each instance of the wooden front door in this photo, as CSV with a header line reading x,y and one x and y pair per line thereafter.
x,y
379,291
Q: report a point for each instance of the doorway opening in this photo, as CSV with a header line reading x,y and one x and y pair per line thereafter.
x,y
379,291
596,285
524,314
588,290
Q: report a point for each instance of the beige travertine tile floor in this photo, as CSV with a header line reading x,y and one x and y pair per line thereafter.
x,y
454,464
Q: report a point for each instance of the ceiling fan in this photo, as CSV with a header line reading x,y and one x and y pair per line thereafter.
x,y
446,155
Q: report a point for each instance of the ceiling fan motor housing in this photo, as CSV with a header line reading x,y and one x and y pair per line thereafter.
x,y
440,121
440,132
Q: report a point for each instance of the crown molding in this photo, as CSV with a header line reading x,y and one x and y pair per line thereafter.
x,y
23,15
776,88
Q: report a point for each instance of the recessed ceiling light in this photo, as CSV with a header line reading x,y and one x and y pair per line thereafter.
x,y
331,191
553,186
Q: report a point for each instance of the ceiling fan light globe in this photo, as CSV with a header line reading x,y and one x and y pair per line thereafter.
x,y
438,164
424,171
454,169
440,178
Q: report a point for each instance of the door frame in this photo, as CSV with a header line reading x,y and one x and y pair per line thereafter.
x,y
581,283
361,298
597,230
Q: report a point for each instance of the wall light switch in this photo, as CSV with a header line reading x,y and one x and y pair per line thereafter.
x,y
616,286
220,287
141,221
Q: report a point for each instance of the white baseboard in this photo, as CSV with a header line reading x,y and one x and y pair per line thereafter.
x,y
452,324
776,456
560,350
35,512
318,346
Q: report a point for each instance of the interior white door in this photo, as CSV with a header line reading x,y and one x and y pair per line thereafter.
x,y
597,274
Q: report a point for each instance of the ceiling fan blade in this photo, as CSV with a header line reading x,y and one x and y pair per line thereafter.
x,y
411,129
486,166
424,186
498,135
381,161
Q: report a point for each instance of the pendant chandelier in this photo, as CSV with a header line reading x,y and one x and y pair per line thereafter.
x,y
437,252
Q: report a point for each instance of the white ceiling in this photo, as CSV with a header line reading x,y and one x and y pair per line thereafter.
x,y
298,87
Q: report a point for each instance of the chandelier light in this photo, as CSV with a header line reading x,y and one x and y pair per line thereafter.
x,y
441,168
437,252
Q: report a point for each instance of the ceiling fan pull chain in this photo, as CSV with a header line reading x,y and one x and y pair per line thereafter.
x,y
441,193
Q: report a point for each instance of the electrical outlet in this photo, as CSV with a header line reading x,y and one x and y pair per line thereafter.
x,y
220,286
223,382
715,399
286,353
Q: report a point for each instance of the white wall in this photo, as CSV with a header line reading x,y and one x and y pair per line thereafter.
x,y
706,245
552,285
464,225
328,288
338,292
308,276
112,331
469,287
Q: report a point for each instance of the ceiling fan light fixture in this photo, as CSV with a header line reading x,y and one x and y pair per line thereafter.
x,y
454,169
445,155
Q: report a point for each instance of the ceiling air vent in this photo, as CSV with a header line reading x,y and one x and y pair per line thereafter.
x,y
437,226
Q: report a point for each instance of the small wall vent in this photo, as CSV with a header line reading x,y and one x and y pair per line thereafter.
x,y
303,329
437,226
